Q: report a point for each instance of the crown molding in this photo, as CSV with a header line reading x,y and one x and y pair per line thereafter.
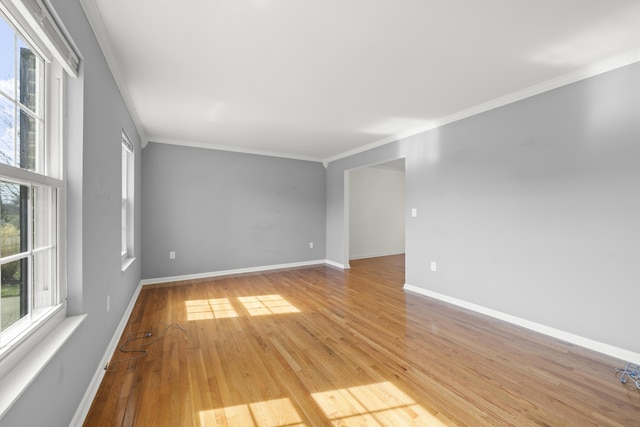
x,y
92,12
206,145
593,70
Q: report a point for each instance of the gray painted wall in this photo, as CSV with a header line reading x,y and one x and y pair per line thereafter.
x,y
532,209
97,115
220,210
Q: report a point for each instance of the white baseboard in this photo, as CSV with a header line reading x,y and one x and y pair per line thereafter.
x,y
92,390
337,265
230,272
590,344
376,255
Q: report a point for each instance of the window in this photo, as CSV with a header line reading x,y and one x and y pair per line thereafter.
x,y
31,184
126,236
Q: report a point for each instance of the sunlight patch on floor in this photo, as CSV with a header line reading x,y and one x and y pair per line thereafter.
x,y
267,304
379,404
216,308
269,413
221,308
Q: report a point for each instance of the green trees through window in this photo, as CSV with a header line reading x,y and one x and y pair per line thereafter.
x,y
13,274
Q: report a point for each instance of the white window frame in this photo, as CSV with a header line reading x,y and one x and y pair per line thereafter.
x,y
38,329
127,202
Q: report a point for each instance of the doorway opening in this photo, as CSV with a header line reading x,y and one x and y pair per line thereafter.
x,y
375,210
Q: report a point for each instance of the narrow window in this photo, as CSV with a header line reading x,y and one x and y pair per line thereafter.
x,y
126,236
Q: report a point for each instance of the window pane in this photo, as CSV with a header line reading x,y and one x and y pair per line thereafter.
x,y
21,119
123,228
7,68
44,274
7,132
125,213
14,276
28,139
28,72
13,218
124,172
13,294
44,219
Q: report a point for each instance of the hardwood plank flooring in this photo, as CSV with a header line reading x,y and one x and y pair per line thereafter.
x,y
319,346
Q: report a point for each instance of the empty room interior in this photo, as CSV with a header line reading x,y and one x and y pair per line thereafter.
x,y
283,213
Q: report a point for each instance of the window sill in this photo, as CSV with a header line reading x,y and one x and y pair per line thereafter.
x,y
16,381
126,263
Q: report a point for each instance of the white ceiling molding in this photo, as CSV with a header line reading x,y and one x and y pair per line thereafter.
x,y
92,11
602,67
196,144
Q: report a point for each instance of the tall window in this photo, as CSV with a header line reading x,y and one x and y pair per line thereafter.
x,y
31,186
126,237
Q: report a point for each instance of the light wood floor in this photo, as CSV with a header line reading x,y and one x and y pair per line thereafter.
x,y
319,346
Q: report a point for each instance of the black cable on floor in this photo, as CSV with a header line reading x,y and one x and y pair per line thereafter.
x,y
140,350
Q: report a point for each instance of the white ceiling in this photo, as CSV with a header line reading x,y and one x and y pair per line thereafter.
x,y
321,79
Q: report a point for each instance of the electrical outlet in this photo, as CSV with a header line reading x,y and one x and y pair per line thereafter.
x,y
433,266
310,245
414,212
172,255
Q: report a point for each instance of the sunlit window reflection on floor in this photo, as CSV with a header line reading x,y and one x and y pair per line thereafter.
x,y
379,404
269,413
267,304
220,308
216,308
